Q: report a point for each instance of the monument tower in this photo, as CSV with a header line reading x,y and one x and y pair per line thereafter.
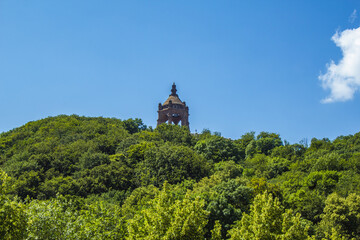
x,y
173,110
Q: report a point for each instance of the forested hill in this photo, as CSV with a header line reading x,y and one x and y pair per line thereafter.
x,y
71,177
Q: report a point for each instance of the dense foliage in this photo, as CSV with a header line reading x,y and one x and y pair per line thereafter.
x,y
71,177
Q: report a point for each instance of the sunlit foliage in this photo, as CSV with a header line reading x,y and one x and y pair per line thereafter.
x,y
72,177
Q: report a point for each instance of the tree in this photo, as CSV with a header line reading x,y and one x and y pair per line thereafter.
x,y
341,216
134,125
245,140
267,141
216,149
216,232
62,185
71,218
136,152
171,163
322,181
175,133
306,202
228,169
13,219
90,159
27,185
167,218
250,149
269,220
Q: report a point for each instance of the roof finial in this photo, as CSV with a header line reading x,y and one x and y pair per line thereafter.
x,y
173,90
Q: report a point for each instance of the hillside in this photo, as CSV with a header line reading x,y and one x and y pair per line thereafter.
x,y
72,177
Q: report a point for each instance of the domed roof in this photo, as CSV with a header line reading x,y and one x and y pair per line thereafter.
x,y
173,97
174,100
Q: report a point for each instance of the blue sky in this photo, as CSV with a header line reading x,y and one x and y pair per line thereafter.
x,y
240,66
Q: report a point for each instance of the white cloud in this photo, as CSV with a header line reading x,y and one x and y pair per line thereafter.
x,y
343,79
353,16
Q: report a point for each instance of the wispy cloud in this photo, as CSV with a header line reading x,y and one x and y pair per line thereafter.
x,y
353,16
343,79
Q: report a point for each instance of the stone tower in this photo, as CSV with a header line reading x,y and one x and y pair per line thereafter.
x,y
173,110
